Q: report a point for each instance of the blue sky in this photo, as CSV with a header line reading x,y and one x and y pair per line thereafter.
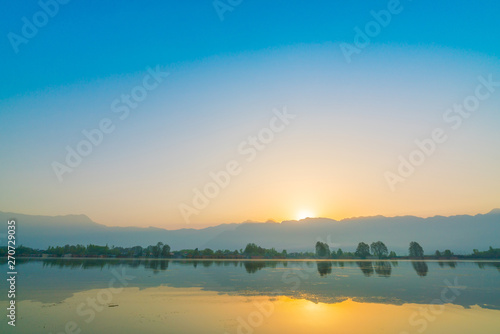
x,y
226,76
88,40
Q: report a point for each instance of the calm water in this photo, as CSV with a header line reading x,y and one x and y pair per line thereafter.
x,y
160,296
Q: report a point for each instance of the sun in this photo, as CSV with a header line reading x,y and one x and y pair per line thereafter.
x,y
304,214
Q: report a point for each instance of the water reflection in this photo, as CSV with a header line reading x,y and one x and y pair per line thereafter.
x,y
165,309
366,267
484,265
383,268
157,266
450,264
253,266
54,280
420,267
324,268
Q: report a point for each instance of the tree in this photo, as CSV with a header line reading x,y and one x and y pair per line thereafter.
x,y
322,249
392,254
253,250
448,253
207,252
415,250
379,249
218,254
363,250
157,249
437,254
136,251
165,251
196,252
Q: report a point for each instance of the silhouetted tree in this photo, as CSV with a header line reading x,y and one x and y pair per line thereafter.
x,y
415,250
379,249
196,252
156,250
491,253
322,250
165,251
207,252
253,250
363,250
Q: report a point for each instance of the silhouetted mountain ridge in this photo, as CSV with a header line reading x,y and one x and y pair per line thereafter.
x,y
459,233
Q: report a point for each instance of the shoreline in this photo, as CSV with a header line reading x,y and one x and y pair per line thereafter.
x,y
256,260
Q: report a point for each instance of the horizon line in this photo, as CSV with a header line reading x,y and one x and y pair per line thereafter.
x,y
269,221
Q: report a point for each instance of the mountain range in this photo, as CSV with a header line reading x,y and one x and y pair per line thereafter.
x,y
460,233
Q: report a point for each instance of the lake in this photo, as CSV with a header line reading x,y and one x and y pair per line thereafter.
x,y
204,296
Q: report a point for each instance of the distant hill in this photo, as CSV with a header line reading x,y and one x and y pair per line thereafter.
x,y
461,234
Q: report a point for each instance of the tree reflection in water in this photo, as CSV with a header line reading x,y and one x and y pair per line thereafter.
x,y
383,268
253,266
483,265
366,267
324,267
420,267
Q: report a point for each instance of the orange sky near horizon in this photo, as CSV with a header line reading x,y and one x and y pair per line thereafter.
x,y
315,140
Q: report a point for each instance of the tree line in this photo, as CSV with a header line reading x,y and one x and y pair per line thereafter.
x,y
379,250
322,250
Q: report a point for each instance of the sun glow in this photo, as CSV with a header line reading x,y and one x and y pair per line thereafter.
x,y
304,214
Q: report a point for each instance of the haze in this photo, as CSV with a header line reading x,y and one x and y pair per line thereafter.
x,y
226,81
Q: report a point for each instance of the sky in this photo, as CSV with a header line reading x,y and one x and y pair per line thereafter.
x,y
187,114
